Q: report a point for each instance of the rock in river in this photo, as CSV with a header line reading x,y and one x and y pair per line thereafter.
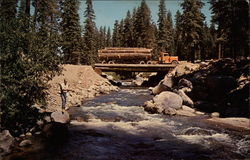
x,y
60,117
6,142
168,99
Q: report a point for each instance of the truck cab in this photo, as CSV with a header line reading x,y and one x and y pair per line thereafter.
x,y
166,58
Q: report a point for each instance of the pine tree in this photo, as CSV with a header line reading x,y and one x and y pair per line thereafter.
x,y
133,21
24,73
24,21
71,32
143,28
165,37
170,26
192,24
8,9
128,31
230,16
102,38
115,37
121,33
162,24
90,35
179,45
108,38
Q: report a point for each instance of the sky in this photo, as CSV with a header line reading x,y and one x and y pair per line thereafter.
x,y
107,11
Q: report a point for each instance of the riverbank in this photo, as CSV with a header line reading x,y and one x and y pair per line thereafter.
x,y
84,83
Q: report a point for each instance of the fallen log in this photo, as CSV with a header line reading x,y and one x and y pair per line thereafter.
x,y
120,48
125,51
146,56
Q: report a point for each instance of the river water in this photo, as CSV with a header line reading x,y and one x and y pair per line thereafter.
x,y
116,127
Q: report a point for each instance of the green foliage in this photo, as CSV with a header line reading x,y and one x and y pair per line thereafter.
x,y
108,38
101,38
115,38
128,31
72,44
192,25
179,45
143,28
28,61
165,37
90,35
233,31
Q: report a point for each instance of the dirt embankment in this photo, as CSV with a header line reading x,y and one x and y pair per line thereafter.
x,y
84,83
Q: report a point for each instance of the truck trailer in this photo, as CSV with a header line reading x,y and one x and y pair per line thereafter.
x,y
113,55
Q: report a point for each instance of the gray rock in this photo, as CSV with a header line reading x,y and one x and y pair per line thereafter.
x,y
25,143
168,81
186,108
168,99
186,100
153,108
186,113
28,134
199,113
47,118
184,83
215,114
60,117
138,81
164,85
39,122
6,142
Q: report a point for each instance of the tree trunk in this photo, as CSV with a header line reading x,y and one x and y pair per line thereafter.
x,y
219,51
27,8
192,54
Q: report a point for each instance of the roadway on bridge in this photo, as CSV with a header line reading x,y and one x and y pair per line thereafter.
x,y
134,67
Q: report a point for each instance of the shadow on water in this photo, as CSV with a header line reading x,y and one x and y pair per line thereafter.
x,y
115,127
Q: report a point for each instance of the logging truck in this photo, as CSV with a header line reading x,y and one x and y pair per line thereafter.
x,y
113,55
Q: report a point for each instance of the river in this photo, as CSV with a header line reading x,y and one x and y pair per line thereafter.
x,y
116,127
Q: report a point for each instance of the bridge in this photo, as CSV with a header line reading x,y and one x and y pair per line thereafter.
x,y
133,67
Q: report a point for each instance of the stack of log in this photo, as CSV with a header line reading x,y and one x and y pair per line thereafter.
x,y
113,53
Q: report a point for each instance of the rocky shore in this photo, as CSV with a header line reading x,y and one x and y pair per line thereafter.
x,y
218,89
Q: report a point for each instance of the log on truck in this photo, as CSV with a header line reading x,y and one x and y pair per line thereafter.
x,y
133,55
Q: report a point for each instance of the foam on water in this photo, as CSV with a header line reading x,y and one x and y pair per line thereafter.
x,y
132,120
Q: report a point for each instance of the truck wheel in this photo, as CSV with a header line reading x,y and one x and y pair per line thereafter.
x,y
111,62
175,62
149,62
142,62
104,62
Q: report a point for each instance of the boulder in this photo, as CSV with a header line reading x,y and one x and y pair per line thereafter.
x,y
168,99
60,117
6,142
138,81
25,143
159,88
215,114
186,108
185,113
186,100
153,108
185,68
164,85
184,83
168,81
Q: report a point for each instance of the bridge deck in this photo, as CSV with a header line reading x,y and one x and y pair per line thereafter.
x,y
134,67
